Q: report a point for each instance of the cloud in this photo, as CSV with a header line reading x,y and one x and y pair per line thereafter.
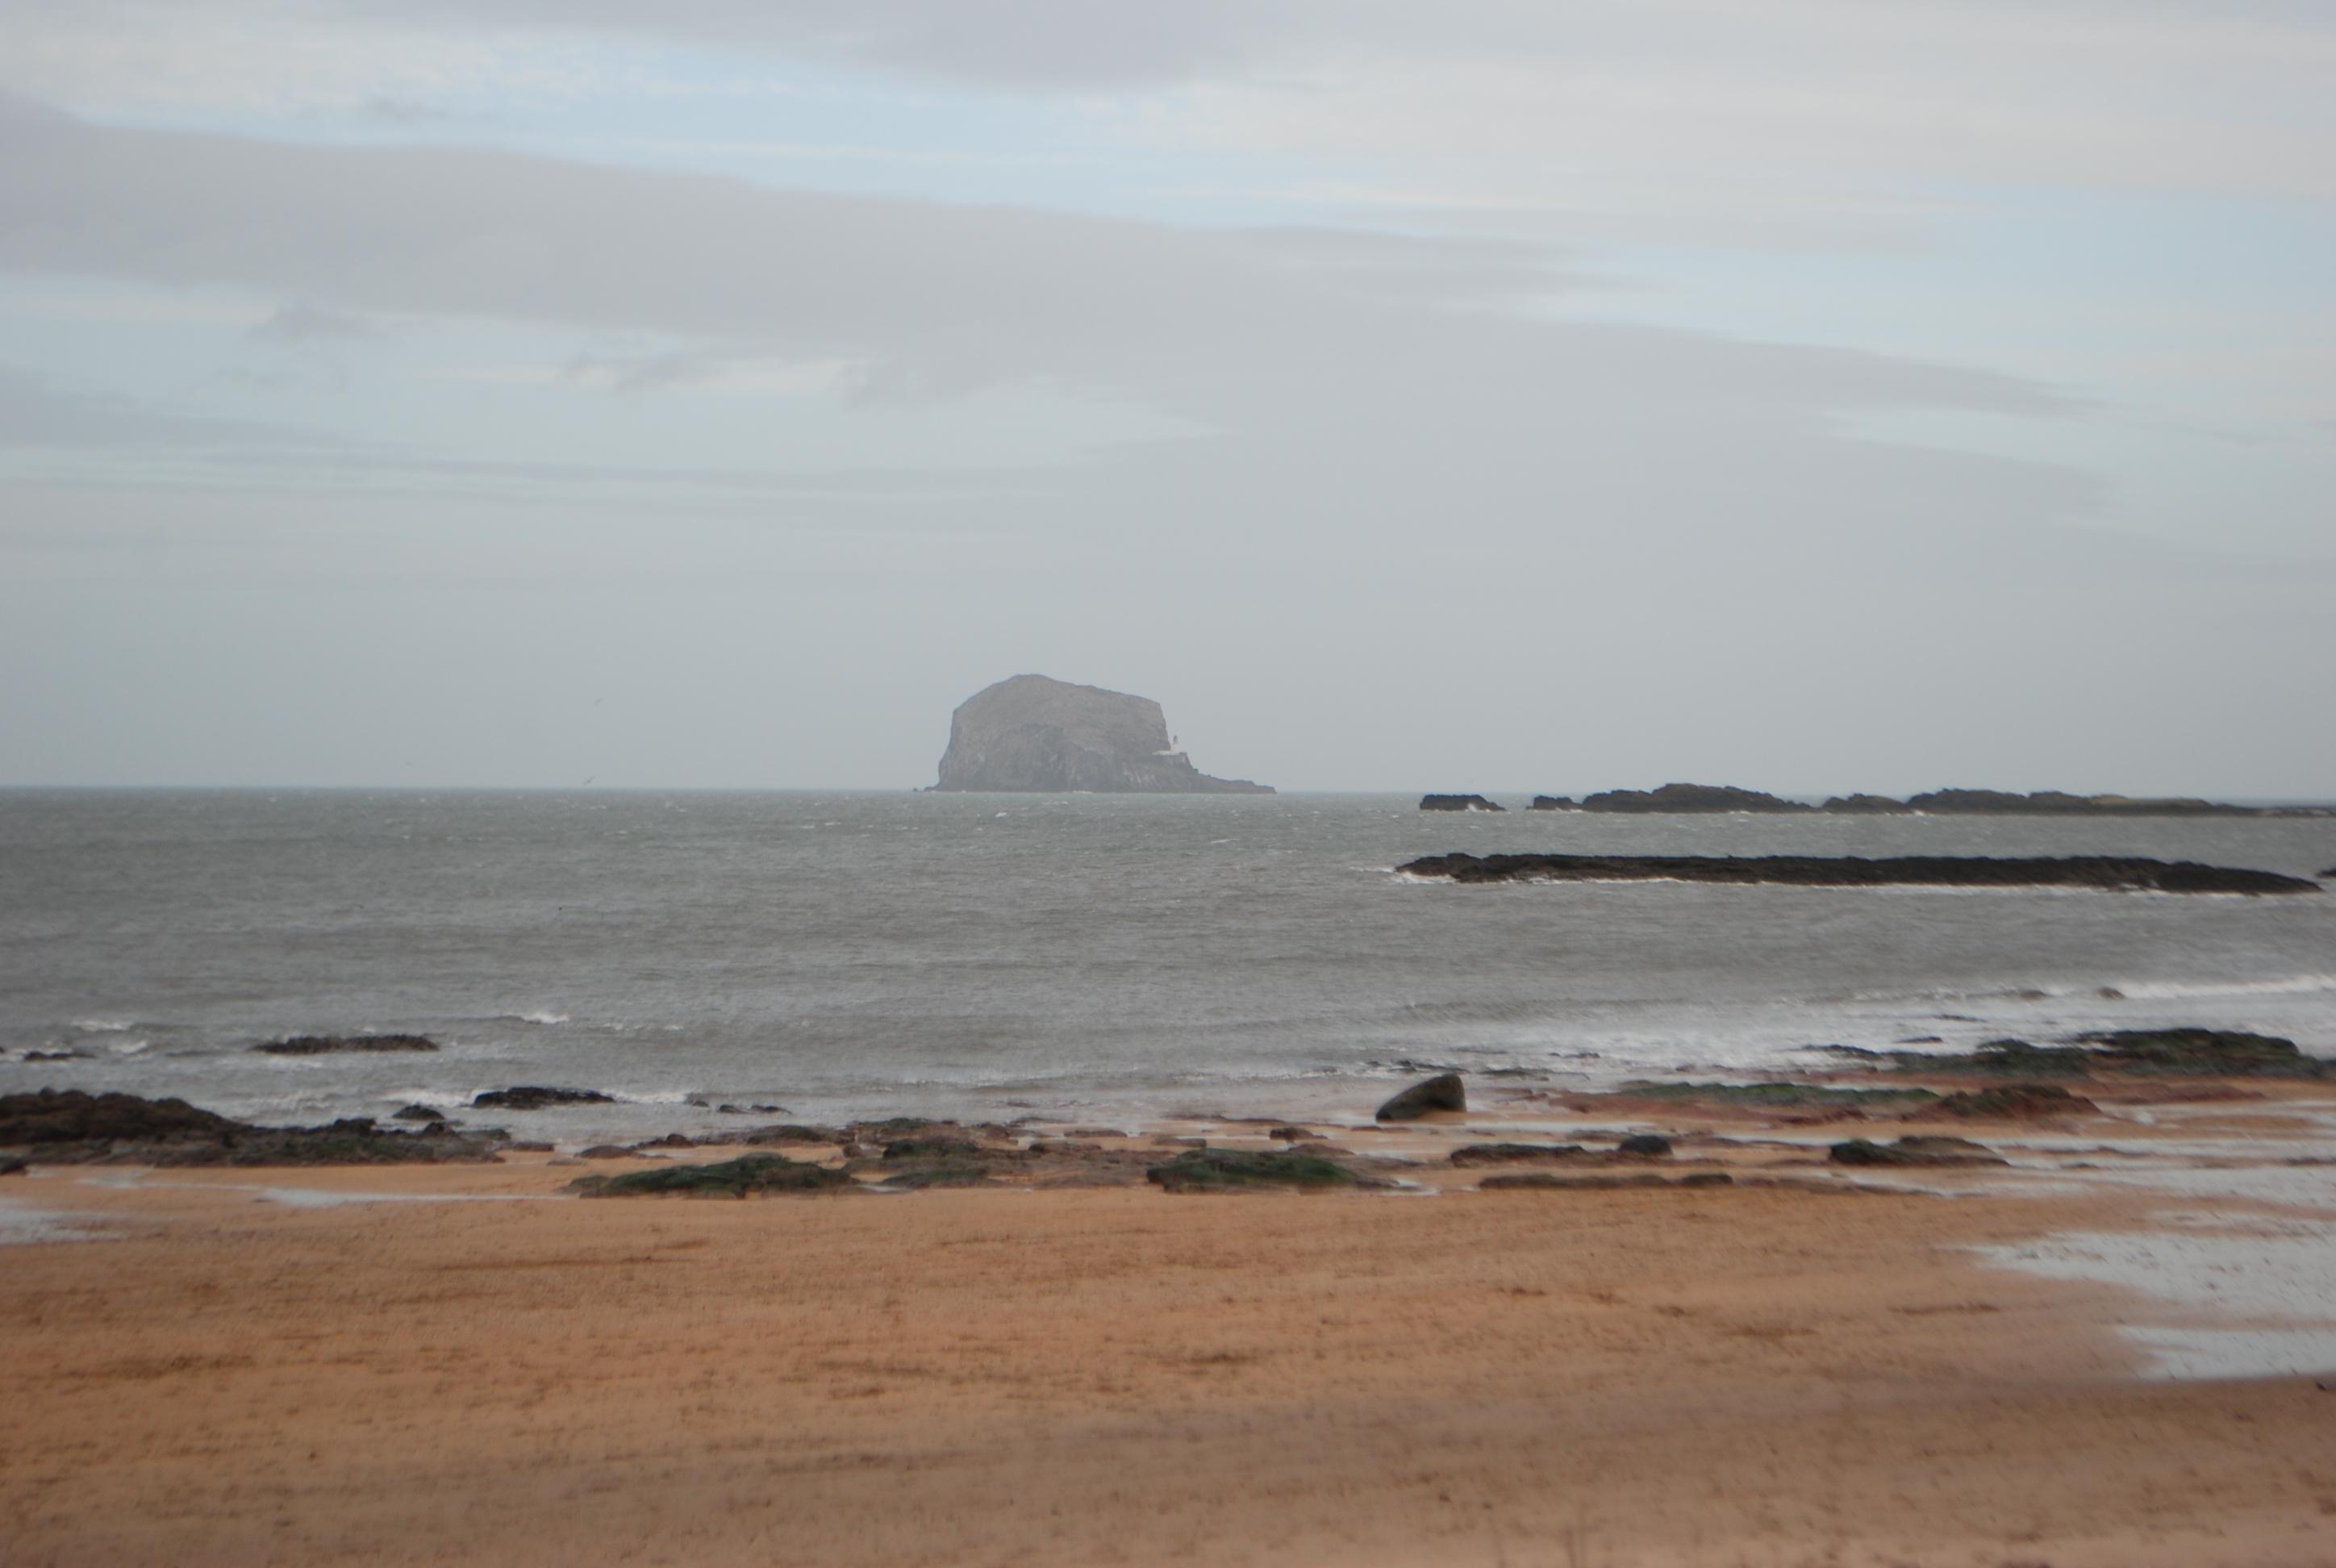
x,y
37,413
304,322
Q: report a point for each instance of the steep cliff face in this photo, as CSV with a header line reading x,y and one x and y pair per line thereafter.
x,y
1033,734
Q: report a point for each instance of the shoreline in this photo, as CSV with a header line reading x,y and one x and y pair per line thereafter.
x,y
368,1364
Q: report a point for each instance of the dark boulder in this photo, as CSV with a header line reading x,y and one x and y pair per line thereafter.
x,y
536,1098
1554,803
1650,1144
1443,1092
1458,804
605,1152
327,1045
418,1113
670,1141
13,1166
730,1110
1239,1171
1294,1135
2009,1102
56,1055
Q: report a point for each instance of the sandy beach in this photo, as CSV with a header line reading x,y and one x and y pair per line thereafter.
x,y
461,1366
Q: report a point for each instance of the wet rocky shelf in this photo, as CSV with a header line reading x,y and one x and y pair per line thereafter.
x,y
2105,873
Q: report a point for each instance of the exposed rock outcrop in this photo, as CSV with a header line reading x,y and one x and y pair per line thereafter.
x,y
1032,734
1914,1151
333,1044
66,1126
537,1097
2102,872
1239,1171
1690,797
1556,804
1459,803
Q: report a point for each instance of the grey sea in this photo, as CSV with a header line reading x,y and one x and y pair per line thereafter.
x,y
1096,958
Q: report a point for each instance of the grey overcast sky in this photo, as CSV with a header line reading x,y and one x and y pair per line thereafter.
x,y
1813,395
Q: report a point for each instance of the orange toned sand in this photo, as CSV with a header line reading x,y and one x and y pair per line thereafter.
x,y
1746,1375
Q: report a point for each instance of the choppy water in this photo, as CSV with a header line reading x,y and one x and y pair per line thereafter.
x,y
1096,956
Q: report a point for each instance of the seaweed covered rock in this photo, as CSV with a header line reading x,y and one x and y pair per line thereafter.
x,y
748,1176
537,1097
418,1113
328,1045
2005,1058
1241,1171
62,1126
1651,1146
1521,1181
787,1133
2010,1103
1515,1153
2207,1053
1443,1092
1914,1150
1773,1095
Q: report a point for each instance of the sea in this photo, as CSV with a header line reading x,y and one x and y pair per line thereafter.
x,y
1091,960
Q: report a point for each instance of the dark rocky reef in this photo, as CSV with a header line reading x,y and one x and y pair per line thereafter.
x,y
2187,1052
1459,803
1516,1153
327,1045
1695,797
537,1097
2212,1053
1690,797
748,1176
1443,1092
1914,1151
1241,1171
2102,873
1033,734
69,1127
1526,1181
1556,804
2012,1103
1780,1096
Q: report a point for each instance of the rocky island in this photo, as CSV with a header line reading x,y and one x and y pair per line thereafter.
x,y
1031,733
1674,798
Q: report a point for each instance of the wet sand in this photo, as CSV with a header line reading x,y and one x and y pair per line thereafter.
x,y
1715,1377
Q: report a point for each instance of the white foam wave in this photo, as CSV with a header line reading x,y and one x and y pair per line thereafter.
x,y
2169,990
541,1016
104,1026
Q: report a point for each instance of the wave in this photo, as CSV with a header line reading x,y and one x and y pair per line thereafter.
x,y
103,1026
543,1016
2171,990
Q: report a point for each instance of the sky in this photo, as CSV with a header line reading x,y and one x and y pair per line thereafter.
x,y
1564,395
